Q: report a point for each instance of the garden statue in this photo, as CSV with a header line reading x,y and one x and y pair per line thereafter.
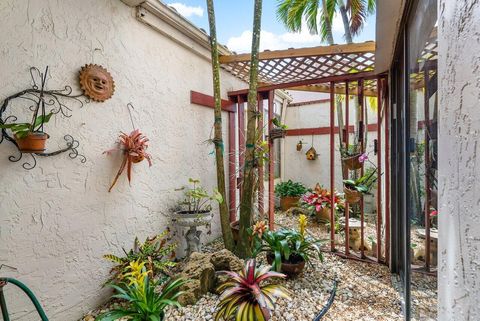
x,y
193,240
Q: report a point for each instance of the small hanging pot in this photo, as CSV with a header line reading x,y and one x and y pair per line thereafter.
x,y
352,162
277,133
311,154
299,146
352,196
34,142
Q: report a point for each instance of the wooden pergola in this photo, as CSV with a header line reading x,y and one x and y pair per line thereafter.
x,y
339,69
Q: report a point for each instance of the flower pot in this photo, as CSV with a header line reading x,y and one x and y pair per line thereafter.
x,y
293,268
352,196
287,202
189,219
235,227
33,143
352,162
277,133
323,216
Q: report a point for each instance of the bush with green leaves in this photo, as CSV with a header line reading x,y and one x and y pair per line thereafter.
x,y
143,300
363,184
197,199
156,252
290,188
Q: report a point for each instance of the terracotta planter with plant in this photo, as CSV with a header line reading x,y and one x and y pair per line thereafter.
x,y
278,131
30,137
352,196
289,193
288,250
355,188
319,202
352,162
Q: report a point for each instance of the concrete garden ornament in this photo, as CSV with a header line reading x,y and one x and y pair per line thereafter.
x,y
96,82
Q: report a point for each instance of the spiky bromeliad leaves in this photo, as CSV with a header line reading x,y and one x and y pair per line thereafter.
x,y
134,148
156,253
246,296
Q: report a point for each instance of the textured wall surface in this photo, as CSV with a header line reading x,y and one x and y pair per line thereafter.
x,y
57,220
459,129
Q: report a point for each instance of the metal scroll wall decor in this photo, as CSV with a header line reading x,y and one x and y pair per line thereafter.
x,y
96,82
43,104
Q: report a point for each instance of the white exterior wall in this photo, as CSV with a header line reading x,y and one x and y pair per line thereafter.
x,y
296,166
57,220
459,128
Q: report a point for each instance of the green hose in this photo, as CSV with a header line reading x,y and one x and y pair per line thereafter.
x,y
28,292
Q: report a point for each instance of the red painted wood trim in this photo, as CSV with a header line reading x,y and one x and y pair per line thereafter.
x,y
261,169
198,98
271,157
332,166
241,140
323,130
347,209
310,102
232,176
362,210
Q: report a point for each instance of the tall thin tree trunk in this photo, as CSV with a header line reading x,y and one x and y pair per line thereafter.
x,y
218,139
346,24
328,23
249,176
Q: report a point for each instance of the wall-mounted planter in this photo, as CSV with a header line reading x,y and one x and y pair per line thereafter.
x,y
352,162
277,133
33,143
352,196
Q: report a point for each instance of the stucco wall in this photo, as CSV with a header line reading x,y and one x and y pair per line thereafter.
x,y
459,128
57,220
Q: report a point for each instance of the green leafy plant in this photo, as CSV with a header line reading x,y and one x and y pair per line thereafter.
x,y
350,150
21,130
197,199
279,124
156,252
288,245
363,184
143,301
246,296
290,188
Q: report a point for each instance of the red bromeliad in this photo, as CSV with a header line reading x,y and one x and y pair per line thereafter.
x,y
321,198
133,147
244,297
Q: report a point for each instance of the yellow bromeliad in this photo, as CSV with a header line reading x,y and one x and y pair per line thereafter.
x,y
302,224
137,273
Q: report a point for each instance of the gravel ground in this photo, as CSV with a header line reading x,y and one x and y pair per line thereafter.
x,y
364,292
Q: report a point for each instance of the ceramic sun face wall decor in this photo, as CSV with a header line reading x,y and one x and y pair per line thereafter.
x,y
311,154
96,82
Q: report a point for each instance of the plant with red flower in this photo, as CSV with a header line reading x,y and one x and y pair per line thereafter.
x,y
321,198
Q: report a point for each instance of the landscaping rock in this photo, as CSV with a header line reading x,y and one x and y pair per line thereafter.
x,y
225,260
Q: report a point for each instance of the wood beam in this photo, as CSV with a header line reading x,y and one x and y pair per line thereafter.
x,y
326,89
368,46
198,98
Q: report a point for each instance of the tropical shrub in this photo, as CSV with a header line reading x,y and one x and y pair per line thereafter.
x,y
363,184
143,301
245,296
319,199
156,253
289,188
288,245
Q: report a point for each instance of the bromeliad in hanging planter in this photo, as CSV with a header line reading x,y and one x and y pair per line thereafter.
x,y
134,149
355,188
279,130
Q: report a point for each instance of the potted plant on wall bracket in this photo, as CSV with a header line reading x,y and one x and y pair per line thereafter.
x,y
278,131
30,137
133,147
351,156
289,193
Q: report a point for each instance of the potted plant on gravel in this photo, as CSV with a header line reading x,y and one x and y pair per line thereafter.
x,y
30,137
248,295
289,193
319,202
355,188
288,250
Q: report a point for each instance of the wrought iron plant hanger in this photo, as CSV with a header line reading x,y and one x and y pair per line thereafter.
x,y
45,103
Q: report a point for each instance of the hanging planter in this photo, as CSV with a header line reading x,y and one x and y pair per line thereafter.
x,y
34,142
299,146
352,162
277,133
352,196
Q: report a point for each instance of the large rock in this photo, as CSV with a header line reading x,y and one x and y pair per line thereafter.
x,y
200,271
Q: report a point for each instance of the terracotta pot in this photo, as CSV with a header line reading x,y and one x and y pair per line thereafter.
x,y
235,226
352,162
33,143
287,202
324,215
277,133
290,269
352,196
137,159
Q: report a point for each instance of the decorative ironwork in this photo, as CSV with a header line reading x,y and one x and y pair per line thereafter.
x,y
42,99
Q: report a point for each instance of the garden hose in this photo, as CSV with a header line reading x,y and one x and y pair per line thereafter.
x,y
27,291
329,302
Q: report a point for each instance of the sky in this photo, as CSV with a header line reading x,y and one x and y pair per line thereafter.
x,y
234,20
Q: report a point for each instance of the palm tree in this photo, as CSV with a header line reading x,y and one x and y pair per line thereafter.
x,y
250,169
218,140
